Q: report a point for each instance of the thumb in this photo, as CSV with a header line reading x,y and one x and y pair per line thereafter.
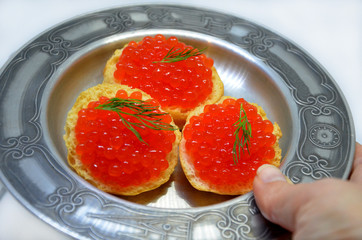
x,y
278,200
356,174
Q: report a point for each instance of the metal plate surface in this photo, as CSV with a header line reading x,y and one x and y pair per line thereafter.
x,y
41,82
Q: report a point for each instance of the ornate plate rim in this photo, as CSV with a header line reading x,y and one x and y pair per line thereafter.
x,y
232,219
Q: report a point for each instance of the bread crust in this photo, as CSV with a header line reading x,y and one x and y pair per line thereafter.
x,y
178,115
198,183
93,94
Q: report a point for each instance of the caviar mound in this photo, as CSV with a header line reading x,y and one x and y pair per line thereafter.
x,y
103,151
179,86
207,147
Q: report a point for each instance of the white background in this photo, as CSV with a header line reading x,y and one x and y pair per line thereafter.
x,y
329,30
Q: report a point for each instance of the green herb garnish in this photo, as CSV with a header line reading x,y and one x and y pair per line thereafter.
x,y
178,55
142,111
240,142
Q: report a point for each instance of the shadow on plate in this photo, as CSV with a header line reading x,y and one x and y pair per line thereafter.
x,y
184,190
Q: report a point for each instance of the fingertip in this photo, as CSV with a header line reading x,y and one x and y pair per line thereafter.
x,y
265,175
269,191
269,173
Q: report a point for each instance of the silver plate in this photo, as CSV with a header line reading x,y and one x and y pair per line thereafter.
x,y
41,82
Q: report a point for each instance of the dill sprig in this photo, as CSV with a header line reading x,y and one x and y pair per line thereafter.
x,y
242,124
178,55
145,113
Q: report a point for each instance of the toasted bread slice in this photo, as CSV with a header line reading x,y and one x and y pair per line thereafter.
x,y
178,114
74,159
236,188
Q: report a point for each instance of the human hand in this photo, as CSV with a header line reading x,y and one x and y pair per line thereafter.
x,y
325,209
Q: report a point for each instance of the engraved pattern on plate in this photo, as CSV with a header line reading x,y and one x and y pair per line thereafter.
x,y
323,151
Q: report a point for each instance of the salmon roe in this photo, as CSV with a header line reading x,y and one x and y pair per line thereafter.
x,y
210,140
112,153
182,84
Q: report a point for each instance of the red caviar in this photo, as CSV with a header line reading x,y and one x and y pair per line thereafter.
x,y
112,153
182,84
210,140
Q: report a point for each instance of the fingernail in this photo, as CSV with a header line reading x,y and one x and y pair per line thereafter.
x,y
269,173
